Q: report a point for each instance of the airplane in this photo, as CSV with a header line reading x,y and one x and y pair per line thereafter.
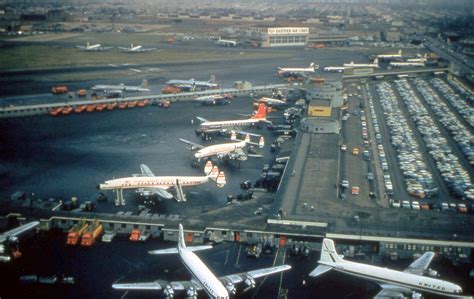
x,y
122,87
214,99
375,64
334,69
10,238
202,277
297,72
96,47
272,102
226,42
214,126
136,49
191,83
406,63
232,150
160,184
390,56
395,284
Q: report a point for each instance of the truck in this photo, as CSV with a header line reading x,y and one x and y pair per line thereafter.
x,y
92,233
59,89
75,233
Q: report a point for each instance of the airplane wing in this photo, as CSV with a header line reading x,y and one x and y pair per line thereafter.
x,y
18,230
146,170
194,146
202,120
419,266
240,277
168,287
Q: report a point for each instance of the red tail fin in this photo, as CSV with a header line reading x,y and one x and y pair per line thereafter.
x,y
261,112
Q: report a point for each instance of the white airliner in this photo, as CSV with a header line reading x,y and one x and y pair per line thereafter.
x,y
226,42
122,87
231,150
294,71
211,83
375,64
406,63
334,69
136,49
213,126
395,284
202,277
215,99
390,56
96,47
162,183
272,102
10,238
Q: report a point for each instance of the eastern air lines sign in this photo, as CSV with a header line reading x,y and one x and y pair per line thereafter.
x,y
288,30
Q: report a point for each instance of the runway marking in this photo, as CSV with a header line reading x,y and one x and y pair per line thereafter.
x,y
226,257
238,257
124,294
265,278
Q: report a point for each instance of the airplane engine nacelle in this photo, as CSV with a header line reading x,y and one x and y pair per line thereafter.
x,y
191,292
432,273
416,295
169,292
249,283
231,288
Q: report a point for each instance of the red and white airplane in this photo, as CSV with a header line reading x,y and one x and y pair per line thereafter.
x,y
231,150
160,184
225,125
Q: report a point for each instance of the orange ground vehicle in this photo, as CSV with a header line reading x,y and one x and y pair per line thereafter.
x,y
75,233
135,235
92,233
60,89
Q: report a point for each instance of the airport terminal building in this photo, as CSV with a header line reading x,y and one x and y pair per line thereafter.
x,y
281,36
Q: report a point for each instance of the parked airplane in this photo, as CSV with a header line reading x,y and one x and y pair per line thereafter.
x,y
272,102
406,63
136,49
96,47
9,239
334,69
297,72
226,42
122,87
225,125
375,64
232,150
162,183
390,56
395,284
191,83
215,99
202,277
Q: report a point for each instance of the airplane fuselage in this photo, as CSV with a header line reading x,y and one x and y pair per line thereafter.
x,y
200,272
403,279
163,182
218,149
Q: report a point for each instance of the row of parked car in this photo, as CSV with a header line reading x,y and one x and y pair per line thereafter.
x,y
448,164
456,100
416,205
459,132
418,179
380,149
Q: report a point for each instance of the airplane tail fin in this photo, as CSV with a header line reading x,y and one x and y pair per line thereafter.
x,y
261,112
181,243
144,82
328,252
